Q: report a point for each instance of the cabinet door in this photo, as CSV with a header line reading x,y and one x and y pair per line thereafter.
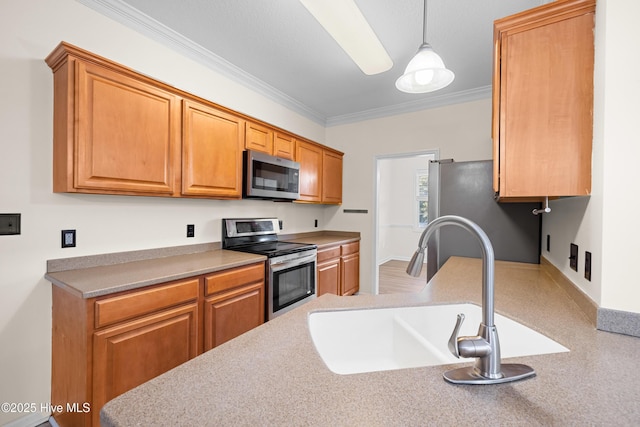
x,y
331,177
545,99
234,303
131,353
259,138
350,268
328,271
284,146
212,152
310,158
230,314
127,134
329,277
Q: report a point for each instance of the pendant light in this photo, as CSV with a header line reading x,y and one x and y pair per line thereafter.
x,y
426,71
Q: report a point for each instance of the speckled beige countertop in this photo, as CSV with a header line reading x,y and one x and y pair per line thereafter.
x,y
272,375
107,279
99,275
324,238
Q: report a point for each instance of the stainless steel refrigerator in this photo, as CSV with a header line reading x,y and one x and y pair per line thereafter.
x,y
466,189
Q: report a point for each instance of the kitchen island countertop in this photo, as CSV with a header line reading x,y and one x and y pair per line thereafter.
x,y
273,375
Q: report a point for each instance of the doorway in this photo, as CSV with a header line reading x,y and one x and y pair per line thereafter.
x,y
401,200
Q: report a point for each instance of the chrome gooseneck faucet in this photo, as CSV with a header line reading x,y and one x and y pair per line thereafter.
x,y
485,347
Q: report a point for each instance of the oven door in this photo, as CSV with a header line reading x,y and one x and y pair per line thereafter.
x,y
291,282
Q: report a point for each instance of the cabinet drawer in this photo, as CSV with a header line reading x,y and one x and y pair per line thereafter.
x,y
350,248
228,279
137,303
330,253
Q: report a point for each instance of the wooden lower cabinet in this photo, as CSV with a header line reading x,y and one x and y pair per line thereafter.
x,y
350,268
134,352
105,346
234,304
328,271
339,269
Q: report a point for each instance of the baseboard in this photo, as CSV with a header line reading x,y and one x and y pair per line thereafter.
x,y
604,319
33,419
620,322
394,258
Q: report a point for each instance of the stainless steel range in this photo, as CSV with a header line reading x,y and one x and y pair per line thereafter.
x,y
290,269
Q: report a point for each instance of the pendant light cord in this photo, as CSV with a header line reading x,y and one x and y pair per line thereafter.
x,y
424,24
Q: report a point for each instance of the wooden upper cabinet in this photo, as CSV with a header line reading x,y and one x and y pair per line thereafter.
x,y
258,137
543,101
117,131
268,140
114,131
284,145
331,177
320,173
212,144
310,158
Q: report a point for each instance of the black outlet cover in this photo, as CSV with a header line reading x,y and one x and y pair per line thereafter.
x,y
587,265
191,230
9,224
573,257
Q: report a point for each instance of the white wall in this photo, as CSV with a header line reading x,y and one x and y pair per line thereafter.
x,y
603,223
606,222
397,206
462,132
29,31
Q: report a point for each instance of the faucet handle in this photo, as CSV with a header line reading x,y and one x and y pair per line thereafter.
x,y
453,341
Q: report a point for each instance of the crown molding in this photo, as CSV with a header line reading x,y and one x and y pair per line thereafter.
x,y
142,23
412,106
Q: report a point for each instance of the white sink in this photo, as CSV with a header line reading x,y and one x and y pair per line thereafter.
x,y
368,340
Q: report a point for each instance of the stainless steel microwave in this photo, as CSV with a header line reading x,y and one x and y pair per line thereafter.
x,y
270,177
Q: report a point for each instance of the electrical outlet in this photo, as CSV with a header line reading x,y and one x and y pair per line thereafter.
x,y
280,224
9,224
548,242
68,238
573,257
316,223
191,230
587,265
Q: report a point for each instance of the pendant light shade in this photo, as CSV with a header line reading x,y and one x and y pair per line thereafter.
x,y
426,71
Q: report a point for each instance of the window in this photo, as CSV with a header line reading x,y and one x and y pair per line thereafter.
x,y
422,198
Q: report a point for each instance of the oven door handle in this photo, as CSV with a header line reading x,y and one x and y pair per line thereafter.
x,y
284,264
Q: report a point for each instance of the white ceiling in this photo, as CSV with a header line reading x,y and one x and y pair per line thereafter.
x,y
279,49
